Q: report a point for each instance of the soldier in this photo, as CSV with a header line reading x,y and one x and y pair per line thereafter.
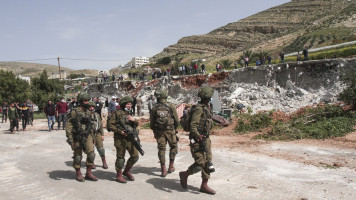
x,y
98,133
80,137
120,139
164,122
200,126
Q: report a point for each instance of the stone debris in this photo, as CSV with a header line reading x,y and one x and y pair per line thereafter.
x,y
284,87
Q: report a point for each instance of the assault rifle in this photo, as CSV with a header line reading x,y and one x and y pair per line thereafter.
x,y
204,149
80,134
133,137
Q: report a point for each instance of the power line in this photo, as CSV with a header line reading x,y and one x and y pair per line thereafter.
x,y
38,59
79,59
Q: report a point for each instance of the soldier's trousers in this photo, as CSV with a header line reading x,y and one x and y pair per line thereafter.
x,y
99,144
78,151
121,145
164,137
200,159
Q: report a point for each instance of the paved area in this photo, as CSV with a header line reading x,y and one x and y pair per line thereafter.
x,y
36,164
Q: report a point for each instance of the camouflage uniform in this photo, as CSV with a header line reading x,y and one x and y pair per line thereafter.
x,y
164,122
200,126
98,133
121,143
78,124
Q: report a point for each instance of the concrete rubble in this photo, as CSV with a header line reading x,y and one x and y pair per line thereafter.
x,y
284,87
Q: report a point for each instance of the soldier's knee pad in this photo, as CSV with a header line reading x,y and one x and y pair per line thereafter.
x,y
161,146
101,151
77,159
91,157
120,163
196,168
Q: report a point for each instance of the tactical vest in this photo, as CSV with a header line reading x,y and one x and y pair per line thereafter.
x,y
83,119
94,119
123,116
164,119
206,122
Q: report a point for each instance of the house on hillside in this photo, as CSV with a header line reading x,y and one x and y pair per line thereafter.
x,y
26,78
62,75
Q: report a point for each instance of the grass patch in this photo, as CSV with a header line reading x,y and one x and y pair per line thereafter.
x,y
321,122
253,122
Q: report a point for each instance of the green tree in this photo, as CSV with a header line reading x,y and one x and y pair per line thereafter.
x,y
225,64
44,89
12,88
165,61
250,54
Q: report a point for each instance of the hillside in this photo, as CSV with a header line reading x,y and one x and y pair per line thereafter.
x,y
30,69
34,69
287,27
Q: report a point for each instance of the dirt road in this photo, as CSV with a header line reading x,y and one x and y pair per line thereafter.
x,y
36,164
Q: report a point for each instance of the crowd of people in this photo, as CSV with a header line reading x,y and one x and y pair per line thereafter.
x,y
18,113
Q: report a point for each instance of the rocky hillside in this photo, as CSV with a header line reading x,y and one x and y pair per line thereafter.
x,y
275,29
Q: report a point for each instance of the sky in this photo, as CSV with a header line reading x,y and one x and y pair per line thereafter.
x,y
92,34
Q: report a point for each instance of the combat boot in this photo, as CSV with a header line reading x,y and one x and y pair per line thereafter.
x,y
105,166
183,176
119,177
171,167
163,170
89,175
205,188
79,175
128,174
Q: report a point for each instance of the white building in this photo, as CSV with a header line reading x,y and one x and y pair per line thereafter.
x,y
56,75
139,61
26,78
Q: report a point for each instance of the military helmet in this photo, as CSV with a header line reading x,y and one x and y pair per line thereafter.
x,y
125,100
83,96
161,94
205,92
91,104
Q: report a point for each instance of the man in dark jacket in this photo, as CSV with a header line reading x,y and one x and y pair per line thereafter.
x,y
50,112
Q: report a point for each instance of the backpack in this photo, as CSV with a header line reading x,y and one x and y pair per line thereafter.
x,y
187,118
164,117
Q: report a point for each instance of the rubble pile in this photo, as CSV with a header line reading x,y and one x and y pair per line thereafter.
x,y
284,87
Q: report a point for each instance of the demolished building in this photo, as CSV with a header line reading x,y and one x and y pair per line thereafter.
x,y
285,87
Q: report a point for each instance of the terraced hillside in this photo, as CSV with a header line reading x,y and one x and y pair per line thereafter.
x,y
275,29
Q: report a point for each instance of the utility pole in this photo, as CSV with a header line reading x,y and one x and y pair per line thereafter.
x,y
59,69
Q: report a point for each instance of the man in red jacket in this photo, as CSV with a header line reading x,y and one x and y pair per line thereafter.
x,y
61,112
